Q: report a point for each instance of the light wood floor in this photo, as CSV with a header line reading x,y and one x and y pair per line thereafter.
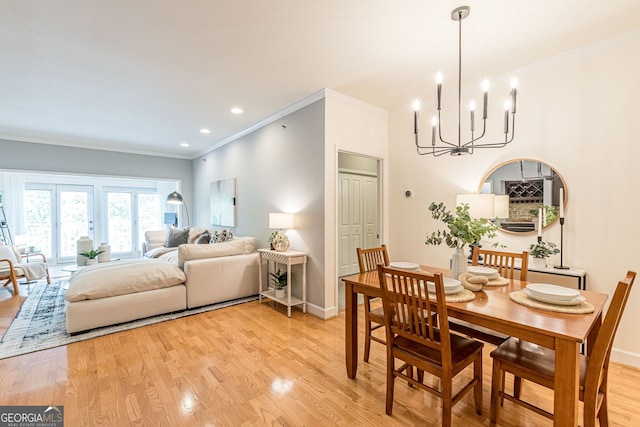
x,y
243,366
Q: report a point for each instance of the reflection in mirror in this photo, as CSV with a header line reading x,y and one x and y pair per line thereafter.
x,y
527,194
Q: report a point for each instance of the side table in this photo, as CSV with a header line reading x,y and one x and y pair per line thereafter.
x,y
287,258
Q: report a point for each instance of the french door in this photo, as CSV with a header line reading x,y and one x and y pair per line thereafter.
x,y
75,219
56,216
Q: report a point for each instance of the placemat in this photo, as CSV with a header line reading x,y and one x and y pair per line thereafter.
x,y
500,281
462,296
522,298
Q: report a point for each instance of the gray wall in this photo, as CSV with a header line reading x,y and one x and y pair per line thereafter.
x,y
277,169
32,157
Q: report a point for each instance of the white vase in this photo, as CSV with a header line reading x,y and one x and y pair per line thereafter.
x,y
84,244
458,263
539,262
105,256
280,292
91,261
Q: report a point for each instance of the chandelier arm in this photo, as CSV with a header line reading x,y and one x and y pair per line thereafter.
x,y
440,134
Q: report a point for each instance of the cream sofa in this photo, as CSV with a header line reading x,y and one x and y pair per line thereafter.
x,y
186,277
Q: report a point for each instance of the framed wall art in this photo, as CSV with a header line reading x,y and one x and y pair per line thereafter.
x,y
223,202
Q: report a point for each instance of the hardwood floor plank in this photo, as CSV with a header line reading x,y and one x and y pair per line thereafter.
x,y
247,365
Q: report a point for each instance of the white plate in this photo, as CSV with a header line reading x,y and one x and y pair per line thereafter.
x,y
447,291
553,292
491,273
575,301
411,266
451,283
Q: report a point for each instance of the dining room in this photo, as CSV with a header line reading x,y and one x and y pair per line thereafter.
x,y
562,327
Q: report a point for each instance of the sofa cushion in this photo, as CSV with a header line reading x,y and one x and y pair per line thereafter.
x,y
236,246
177,237
204,239
122,277
195,233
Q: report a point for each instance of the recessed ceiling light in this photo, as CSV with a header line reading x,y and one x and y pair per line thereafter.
x,y
184,144
206,131
236,110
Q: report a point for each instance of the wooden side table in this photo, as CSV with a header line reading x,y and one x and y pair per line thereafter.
x,y
287,258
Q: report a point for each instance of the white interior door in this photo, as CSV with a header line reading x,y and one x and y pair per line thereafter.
x,y
75,219
358,223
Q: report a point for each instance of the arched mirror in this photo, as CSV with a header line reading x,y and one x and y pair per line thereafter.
x,y
528,193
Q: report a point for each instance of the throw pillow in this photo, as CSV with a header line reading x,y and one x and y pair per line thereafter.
x,y
177,237
219,236
6,252
204,238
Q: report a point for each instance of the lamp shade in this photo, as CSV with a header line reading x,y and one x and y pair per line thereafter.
x,y
480,205
281,220
174,198
502,206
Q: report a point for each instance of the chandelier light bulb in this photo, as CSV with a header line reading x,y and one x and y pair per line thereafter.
x,y
507,104
514,82
439,78
485,85
472,105
434,121
416,105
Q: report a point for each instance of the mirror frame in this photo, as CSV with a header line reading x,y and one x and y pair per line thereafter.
x,y
564,186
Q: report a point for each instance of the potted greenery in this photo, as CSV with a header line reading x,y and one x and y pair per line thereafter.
x,y
279,281
92,256
542,250
462,230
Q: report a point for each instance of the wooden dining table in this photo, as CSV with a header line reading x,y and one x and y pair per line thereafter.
x,y
492,308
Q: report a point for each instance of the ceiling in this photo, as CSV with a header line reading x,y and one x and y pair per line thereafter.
x,y
145,75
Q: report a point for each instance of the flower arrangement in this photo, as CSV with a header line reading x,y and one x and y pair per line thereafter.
x,y
543,249
462,229
277,237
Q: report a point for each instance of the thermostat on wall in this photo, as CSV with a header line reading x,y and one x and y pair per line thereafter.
x,y
409,193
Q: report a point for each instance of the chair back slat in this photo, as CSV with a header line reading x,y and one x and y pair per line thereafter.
x,y
368,259
408,311
504,262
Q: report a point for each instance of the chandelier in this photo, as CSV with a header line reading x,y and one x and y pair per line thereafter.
x,y
439,145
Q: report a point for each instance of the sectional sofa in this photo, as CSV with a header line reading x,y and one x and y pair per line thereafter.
x,y
189,276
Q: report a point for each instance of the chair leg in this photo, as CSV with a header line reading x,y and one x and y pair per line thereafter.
x,y
497,385
390,383
447,397
603,413
48,277
517,386
367,328
477,390
13,279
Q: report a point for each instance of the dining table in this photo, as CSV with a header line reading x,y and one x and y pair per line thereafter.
x,y
493,308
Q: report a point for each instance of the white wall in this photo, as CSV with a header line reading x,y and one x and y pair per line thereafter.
x,y
576,112
355,127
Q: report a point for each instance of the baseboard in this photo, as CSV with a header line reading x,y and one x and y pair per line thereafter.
x,y
321,312
625,357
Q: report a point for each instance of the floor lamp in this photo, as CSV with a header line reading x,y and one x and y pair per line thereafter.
x,y
175,198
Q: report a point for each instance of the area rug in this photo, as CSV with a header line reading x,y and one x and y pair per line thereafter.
x,y
40,324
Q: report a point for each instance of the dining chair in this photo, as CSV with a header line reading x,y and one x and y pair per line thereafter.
x,y
504,262
413,337
368,260
532,362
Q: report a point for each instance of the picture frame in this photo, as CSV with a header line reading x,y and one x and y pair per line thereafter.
x,y
223,202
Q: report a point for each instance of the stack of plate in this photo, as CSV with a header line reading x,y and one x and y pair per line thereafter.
x,y
490,273
409,266
553,294
451,286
